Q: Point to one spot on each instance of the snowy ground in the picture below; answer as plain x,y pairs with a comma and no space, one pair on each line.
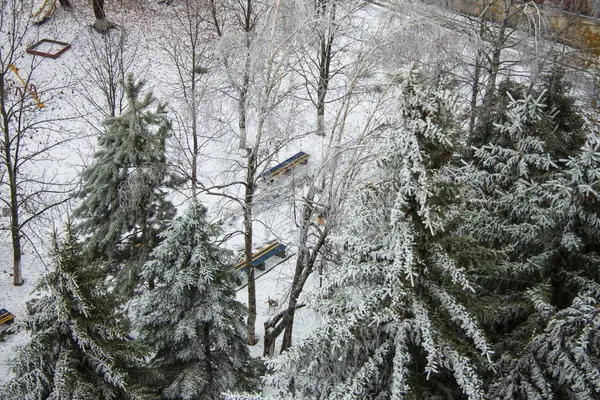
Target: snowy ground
67,75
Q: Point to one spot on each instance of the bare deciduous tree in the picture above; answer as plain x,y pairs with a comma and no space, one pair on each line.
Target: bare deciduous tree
28,186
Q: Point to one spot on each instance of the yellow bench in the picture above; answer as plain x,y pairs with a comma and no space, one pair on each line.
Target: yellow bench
273,248
6,317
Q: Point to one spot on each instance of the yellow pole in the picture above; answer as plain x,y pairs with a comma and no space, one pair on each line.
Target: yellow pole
50,9
33,94
41,9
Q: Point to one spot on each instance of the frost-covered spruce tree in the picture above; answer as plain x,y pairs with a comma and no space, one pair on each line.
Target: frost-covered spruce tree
124,204
393,326
79,346
543,215
191,320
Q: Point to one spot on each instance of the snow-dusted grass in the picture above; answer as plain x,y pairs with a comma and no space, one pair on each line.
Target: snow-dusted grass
61,86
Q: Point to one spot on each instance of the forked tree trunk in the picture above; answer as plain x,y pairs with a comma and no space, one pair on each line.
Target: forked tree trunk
98,6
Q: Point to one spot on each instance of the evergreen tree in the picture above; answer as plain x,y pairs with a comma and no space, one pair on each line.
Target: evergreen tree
124,205
542,215
79,346
393,325
560,127
192,320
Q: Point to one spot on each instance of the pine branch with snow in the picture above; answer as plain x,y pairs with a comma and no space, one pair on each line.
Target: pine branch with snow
384,333
191,319
80,345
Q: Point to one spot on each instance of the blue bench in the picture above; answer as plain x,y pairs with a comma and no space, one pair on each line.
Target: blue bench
285,166
6,317
273,248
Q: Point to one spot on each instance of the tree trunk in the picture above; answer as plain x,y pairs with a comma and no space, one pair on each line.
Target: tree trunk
11,170
305,264
244,95
248,27
101,24
194,114
475,89
248,200
16,241
498,43
324,68
98,6
208,357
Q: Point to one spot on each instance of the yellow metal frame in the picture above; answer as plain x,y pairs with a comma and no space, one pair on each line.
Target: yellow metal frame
41,9
33,93
48,12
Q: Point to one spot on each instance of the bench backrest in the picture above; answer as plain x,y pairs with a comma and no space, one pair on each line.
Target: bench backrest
272,248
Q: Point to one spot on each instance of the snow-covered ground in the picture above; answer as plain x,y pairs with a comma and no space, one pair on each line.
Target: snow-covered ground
62,85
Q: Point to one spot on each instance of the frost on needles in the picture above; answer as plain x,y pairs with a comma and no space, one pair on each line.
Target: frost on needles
191,320
80,346
540,215
393,324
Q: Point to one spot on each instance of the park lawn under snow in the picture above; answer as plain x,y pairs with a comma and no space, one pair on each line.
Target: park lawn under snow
70,106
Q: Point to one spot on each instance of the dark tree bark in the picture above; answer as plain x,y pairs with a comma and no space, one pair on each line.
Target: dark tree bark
101,24
99,9
248,231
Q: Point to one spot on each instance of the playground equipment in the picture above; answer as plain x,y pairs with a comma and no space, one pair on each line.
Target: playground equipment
44,12
34,49
285,166
31,88
273,248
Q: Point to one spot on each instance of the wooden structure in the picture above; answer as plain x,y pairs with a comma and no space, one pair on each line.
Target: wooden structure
285,166
273,248
5,319
33,49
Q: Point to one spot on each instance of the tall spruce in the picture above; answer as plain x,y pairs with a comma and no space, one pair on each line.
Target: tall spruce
542,216
79,346
560,126
124,205
191,320
393,325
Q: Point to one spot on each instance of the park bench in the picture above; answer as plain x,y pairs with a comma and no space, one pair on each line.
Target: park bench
6,318
273,248
285,166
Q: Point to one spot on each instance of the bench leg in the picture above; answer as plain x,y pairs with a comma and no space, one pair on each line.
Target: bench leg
260,266
281,254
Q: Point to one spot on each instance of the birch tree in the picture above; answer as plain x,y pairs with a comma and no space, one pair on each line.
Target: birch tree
264,85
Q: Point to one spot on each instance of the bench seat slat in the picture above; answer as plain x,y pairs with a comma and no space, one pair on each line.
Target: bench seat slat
5,316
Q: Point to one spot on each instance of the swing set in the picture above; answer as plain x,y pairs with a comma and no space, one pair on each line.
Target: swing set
30,88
